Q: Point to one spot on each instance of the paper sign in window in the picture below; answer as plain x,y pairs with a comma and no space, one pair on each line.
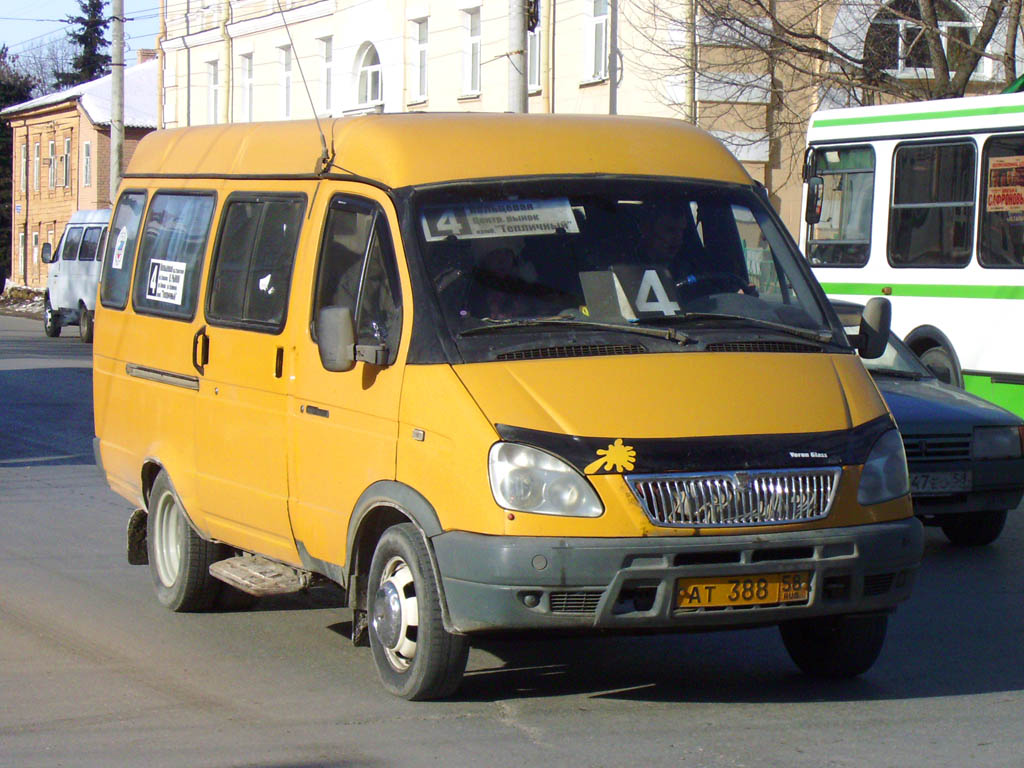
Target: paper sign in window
166,281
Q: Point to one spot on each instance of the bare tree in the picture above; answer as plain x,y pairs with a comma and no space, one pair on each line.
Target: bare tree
46,62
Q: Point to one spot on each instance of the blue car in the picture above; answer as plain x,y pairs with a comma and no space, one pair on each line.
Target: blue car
964,453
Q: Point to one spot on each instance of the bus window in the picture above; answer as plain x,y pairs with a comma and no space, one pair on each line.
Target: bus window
842,237
931,222
1002,217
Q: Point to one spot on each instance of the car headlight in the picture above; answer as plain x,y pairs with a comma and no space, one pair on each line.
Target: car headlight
884,476
529,480
996,443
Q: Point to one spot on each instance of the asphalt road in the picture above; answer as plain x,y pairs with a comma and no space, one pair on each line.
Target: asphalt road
94,673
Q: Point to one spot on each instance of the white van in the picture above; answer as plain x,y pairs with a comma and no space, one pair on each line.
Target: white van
74,273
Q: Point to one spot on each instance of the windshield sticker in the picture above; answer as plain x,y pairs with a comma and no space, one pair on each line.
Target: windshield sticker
119,247
659,302
616,457
166,281
1006,185
502,218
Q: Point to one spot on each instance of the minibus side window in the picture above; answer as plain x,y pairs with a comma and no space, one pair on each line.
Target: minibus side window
71,242
171,255
842,237
931,223
1002,201
357,270
252,267
90,244
119,253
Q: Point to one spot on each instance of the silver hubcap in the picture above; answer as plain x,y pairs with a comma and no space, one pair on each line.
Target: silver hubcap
396,614
168,532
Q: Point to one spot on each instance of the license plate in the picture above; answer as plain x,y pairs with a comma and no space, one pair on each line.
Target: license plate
938,483
762,589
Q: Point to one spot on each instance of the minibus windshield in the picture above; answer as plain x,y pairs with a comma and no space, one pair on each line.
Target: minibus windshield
568,254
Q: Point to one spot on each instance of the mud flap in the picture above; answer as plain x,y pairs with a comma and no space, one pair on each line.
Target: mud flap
138,554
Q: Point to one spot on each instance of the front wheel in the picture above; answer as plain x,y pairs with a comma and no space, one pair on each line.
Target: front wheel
85,325
835,646
415,656
51,320
179,559
974,529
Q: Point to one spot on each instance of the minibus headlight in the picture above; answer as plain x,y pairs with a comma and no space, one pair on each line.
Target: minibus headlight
885,472
996,443
526,479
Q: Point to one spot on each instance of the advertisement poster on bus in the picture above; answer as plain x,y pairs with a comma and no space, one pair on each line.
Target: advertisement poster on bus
1006,186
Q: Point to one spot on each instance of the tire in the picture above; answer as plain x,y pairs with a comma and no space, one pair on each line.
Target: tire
85,325
51,320
179,560
835,646
941,362
974,529
414,655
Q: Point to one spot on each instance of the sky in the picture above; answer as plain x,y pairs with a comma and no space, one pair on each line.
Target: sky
27,25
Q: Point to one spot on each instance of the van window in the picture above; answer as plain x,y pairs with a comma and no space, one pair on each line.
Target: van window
842,237
171,254
1002,200
72,239
90,244
119,254
252,268
358,270
931,223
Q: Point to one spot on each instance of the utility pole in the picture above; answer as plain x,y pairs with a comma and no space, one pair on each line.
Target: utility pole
517,91
116,98
613,58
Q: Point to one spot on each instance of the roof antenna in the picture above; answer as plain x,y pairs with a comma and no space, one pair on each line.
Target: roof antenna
326,158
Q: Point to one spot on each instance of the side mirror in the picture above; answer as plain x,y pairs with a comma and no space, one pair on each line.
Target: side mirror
336,338
815,194
874,328
47,254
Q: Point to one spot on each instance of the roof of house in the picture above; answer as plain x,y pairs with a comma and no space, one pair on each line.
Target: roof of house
140,98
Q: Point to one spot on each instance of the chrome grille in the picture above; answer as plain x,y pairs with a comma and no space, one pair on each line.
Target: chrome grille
937,447
725,499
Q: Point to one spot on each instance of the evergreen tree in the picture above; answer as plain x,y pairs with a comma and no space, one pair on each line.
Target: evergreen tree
15,87
89,38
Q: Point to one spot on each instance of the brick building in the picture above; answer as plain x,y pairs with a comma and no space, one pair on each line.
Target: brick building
61,161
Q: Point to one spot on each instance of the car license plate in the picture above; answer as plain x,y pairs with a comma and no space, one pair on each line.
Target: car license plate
760,589
938,483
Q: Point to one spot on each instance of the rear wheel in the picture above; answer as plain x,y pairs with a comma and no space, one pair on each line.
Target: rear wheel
51,320
835,646
415,656
179,559
85,325
974,529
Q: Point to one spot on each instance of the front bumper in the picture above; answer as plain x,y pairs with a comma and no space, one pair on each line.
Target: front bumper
996,485
494,583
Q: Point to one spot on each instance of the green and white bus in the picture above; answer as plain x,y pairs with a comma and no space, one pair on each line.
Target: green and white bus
924,203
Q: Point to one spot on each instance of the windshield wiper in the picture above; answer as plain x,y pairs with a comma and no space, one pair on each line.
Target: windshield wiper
821,336
669,334
897,374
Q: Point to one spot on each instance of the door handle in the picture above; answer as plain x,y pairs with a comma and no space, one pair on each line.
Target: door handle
200,350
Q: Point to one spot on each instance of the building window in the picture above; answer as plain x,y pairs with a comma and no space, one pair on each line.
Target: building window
598,40
471,55
212,92
66,160
24,169
327,46
52,176
286,80
896,40
246,79
87,164
369,77
21,246
533,40
35,247
420,79
35,166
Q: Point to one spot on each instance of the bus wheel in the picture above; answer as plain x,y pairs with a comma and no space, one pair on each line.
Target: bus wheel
974,529
51,322
414,655
835,646
941,362
179,559
85,326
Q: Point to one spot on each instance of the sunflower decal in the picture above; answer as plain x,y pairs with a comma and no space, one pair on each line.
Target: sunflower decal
616,457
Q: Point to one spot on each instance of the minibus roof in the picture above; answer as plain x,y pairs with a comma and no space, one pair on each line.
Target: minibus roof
397,150
970,114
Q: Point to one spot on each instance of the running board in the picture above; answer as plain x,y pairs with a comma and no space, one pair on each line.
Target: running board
259,576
